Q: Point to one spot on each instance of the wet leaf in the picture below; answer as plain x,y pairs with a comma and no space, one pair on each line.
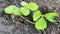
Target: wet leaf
37,14
41,24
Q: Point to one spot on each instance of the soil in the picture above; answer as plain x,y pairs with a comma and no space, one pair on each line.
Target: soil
20,26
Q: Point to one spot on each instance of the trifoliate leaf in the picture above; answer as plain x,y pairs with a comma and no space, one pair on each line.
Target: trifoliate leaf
37,14
24,3
10,9
41,24
33,6
25,11
17,12
50,16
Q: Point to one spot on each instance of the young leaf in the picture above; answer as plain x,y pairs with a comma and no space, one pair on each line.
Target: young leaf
41,24
25,11
24,3
37,14
17,12
50,16
33,6
10,9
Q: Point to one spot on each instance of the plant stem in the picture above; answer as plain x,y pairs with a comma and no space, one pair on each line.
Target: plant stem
43,15
12,16
27,20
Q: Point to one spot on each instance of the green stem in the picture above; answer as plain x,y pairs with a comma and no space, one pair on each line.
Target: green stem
27,20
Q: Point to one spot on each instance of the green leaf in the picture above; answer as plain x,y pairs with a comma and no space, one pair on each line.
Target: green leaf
50,16
17,12
25,11
10,9
24,3
37,14
33,6
41,24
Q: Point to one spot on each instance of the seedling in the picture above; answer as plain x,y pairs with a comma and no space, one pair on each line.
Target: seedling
12,9
38,17
40,21
25,10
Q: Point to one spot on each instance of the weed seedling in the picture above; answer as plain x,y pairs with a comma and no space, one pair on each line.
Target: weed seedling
38,17
14,10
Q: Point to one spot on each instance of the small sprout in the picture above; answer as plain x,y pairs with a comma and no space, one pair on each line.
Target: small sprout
50,16
33,6
37,14
25,11
24,3
41,24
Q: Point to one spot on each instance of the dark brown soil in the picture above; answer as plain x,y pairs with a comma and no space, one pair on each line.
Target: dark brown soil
20,26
